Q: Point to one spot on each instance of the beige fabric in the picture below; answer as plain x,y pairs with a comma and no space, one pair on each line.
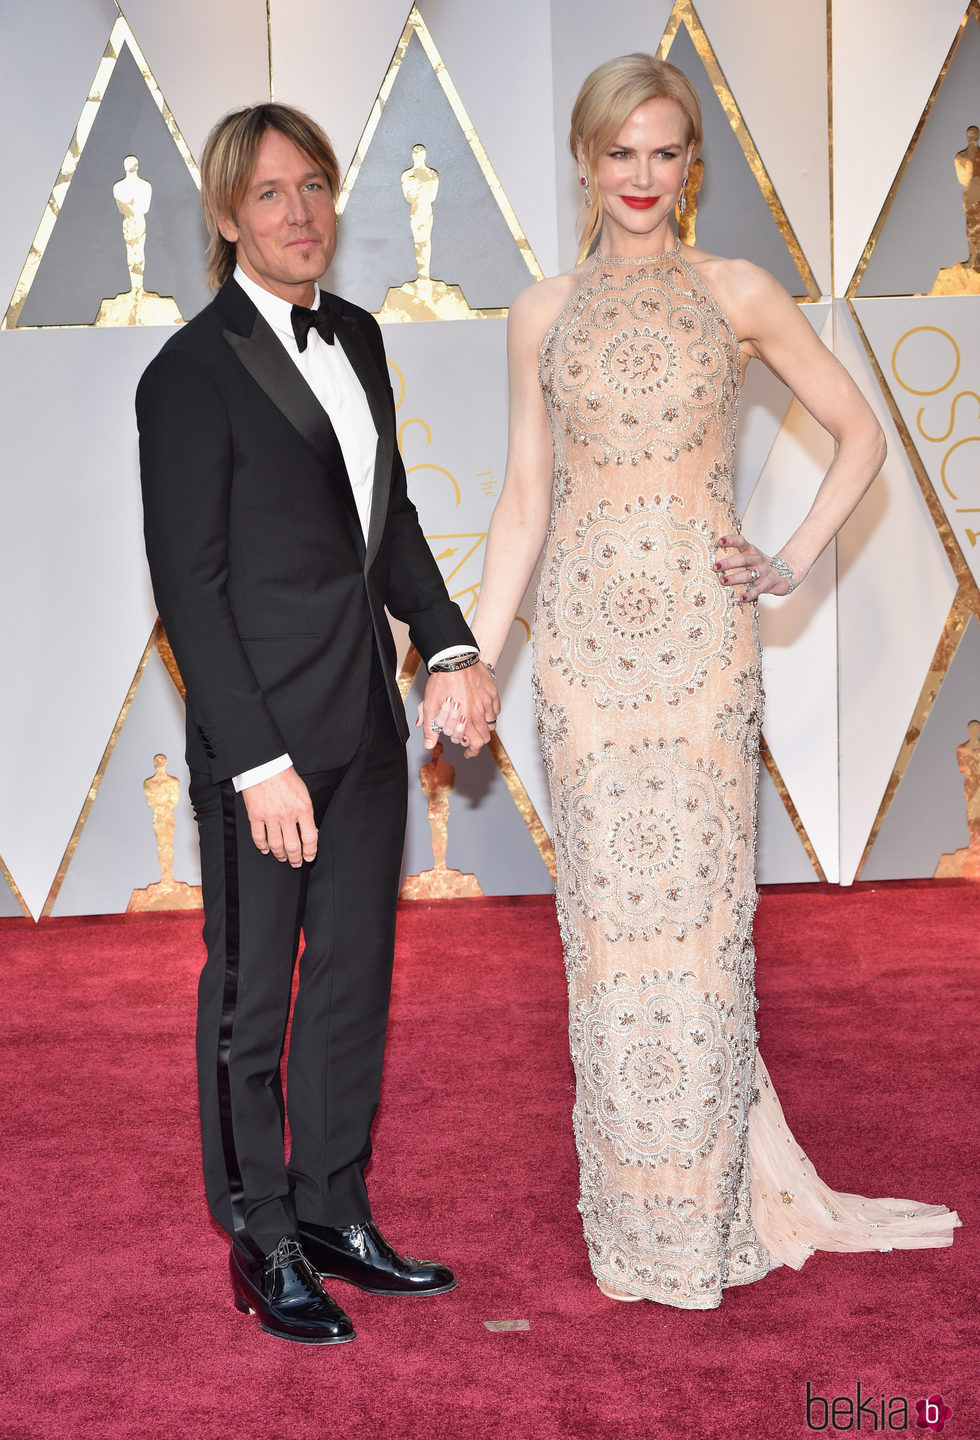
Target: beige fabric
648,696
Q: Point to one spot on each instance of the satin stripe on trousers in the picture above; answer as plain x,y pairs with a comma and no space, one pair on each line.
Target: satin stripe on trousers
345,903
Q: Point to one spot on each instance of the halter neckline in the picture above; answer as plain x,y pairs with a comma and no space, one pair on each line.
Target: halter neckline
639,259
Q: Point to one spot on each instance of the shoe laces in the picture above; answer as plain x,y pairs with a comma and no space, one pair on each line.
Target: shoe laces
287,1252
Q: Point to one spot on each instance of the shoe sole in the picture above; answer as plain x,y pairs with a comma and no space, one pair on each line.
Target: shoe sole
246,1309
373,1290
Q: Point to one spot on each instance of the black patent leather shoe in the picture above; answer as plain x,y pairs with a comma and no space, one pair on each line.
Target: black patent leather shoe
285,1292
362,1256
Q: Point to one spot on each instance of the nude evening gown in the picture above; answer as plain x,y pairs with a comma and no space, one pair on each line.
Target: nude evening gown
648,695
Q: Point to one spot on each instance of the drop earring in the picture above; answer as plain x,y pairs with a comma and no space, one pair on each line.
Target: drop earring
583,180
682,202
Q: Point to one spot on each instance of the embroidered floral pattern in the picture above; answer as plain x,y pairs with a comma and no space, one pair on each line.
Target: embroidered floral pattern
632,606
659,1077
651,836
666,357
739,719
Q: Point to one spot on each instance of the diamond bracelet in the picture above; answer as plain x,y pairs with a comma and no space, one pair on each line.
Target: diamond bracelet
784,568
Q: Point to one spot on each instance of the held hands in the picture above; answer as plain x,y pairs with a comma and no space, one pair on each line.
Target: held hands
281,816
750,567
462,706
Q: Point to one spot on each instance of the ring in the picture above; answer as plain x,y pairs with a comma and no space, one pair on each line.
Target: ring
755,575
435,726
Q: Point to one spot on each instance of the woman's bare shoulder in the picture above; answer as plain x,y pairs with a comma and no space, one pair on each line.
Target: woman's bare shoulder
536,309
740,287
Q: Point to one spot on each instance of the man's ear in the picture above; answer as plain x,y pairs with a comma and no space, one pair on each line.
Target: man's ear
228,230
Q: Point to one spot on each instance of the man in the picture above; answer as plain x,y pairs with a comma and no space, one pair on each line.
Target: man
278,528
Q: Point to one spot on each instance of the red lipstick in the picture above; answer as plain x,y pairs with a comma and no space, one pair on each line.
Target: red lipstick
640,202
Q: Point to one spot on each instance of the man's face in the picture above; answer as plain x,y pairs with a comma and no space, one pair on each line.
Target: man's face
285,232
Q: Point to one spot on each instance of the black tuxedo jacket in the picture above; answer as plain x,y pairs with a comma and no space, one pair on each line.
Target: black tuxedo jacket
271,600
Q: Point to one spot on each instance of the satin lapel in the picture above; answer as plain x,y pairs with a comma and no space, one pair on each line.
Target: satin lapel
378,394
271,368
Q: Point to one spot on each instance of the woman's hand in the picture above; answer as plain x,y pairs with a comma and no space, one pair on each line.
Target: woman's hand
750,568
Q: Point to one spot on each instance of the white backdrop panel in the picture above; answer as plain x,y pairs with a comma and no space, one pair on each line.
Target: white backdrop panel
799,634
895,590
762,410
207,59
774,56
929,353
74,590
329,57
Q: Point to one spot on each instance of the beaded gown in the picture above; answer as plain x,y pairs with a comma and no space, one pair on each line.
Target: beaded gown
648,696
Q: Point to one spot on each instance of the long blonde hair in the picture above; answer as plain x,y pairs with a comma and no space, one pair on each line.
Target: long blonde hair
228,164
609,95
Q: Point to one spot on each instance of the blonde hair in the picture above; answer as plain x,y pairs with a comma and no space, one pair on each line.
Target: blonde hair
228,164
611,94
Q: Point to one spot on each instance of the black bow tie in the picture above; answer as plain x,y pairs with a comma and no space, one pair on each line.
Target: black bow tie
304,321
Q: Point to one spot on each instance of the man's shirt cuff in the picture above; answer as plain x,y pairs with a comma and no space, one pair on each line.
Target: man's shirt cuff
258,773
451,652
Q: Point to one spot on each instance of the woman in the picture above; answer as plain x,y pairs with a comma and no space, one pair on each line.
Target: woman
625,377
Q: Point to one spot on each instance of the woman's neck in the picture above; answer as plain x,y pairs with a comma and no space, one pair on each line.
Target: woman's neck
617,244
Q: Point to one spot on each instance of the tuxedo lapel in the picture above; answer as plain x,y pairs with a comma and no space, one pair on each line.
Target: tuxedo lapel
260,351
377,390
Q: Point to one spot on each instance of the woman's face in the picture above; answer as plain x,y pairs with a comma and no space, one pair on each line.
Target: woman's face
641,174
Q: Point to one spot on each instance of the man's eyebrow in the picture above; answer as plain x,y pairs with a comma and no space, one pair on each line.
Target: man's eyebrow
315,173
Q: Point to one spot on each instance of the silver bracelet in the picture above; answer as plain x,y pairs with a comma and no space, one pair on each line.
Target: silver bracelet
784,568
493,673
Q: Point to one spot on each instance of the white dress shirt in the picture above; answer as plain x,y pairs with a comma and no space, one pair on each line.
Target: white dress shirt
330,375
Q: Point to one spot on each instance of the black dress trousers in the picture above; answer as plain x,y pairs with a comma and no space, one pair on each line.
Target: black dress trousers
344,903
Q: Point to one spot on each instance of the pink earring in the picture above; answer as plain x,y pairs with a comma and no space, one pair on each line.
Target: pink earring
583,180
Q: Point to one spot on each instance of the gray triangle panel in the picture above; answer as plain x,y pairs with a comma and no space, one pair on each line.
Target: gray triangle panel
116,852
9,905
84,261
925,231
472,245
733,218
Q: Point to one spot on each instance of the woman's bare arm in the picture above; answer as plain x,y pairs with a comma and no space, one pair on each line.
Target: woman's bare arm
771,328
520,519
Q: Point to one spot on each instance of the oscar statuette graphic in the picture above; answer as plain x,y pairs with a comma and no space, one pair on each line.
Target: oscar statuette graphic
964,278
136,306
422,298
966,863
162,791
437,778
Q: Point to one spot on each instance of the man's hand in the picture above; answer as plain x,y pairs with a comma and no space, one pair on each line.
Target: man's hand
462,705
281,815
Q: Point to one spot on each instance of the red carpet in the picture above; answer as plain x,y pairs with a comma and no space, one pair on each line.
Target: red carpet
118,1322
